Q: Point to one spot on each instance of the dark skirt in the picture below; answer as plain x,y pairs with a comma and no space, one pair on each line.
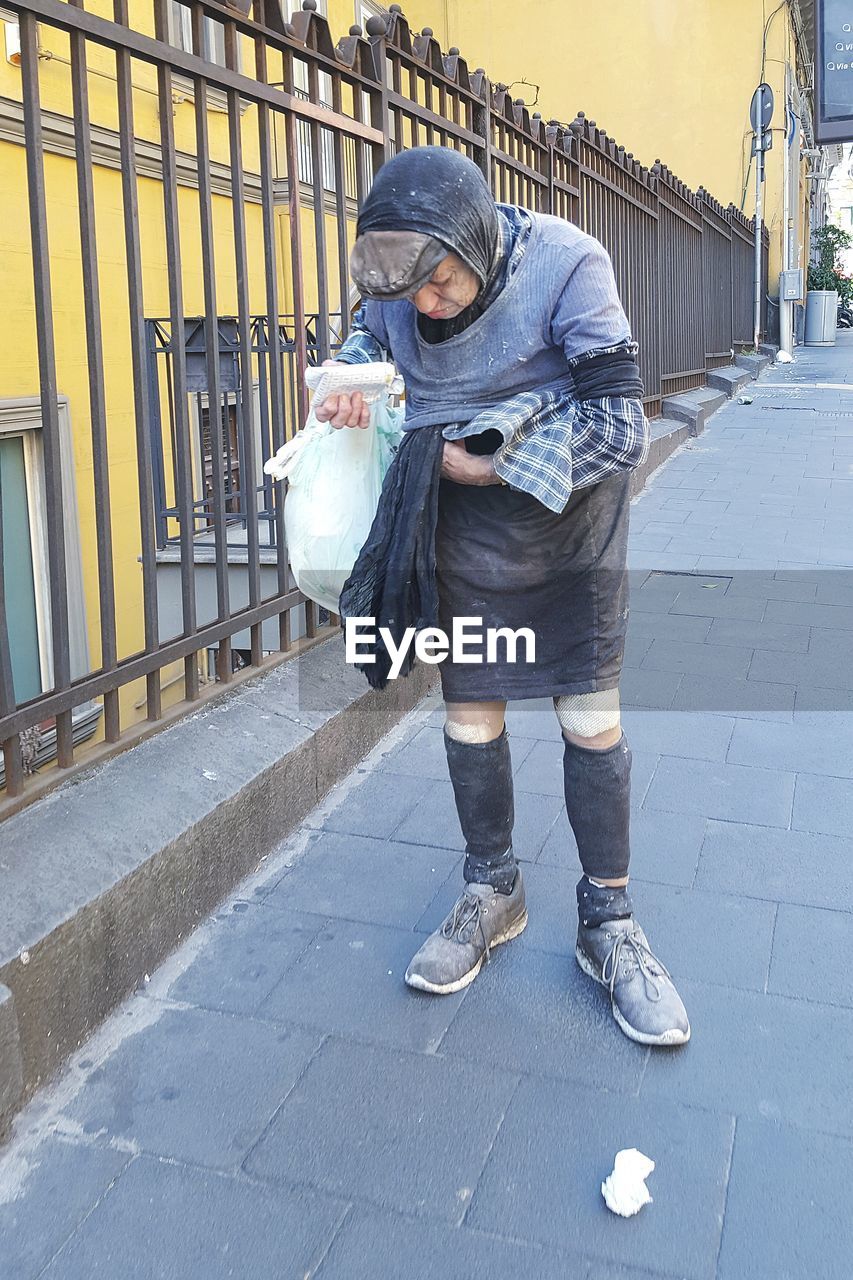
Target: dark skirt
502,557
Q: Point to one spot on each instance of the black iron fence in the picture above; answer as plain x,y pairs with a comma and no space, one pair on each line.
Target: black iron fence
263,139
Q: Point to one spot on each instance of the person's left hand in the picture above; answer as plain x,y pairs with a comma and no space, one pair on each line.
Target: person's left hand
466,468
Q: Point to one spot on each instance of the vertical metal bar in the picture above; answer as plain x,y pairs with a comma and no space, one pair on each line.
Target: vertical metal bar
211,346
319,198
95,352
300,342
130,207
276,371
183,458
47,380
12,761
248,464
341,212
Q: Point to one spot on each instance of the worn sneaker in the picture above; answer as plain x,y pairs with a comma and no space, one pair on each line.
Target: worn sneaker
643,997
453,955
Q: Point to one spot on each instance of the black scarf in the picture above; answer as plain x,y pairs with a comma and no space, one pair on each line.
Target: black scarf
440,193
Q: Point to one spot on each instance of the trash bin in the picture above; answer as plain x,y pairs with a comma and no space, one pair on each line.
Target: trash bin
821,317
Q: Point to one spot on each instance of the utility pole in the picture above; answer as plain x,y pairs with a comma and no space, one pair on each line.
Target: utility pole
760,115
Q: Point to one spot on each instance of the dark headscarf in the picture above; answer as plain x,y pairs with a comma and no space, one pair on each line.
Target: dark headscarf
437,192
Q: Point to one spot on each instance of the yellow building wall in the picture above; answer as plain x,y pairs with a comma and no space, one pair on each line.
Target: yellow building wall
668,79
19,376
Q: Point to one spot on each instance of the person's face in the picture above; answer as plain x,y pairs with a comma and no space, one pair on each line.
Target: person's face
451,288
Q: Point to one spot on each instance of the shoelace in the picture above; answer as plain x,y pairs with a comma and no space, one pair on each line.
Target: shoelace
644,959
465,919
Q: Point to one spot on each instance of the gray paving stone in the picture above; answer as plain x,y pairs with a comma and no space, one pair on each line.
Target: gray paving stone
682,733
646,688
795,1185
765,587
751,699
434,820
643,541
350,982
356,878
811,703
759,635
669,626
557,1144
783,866
535,1012
541,770
707,937
813,668
165,1220
377,805
838,617
805,747
409,1132
636,648
698,503
240,958
761,1055
732,792
724,660
664,846
44,1195
196,1085
533,718
713,604
422,755
823,805
811,949
665,561
398,1246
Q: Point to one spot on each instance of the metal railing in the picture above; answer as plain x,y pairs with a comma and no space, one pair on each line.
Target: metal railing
255,212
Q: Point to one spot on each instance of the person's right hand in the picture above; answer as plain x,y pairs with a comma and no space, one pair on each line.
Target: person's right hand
343,410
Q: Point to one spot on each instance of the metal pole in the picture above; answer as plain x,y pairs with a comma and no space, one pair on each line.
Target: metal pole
786,336
759,178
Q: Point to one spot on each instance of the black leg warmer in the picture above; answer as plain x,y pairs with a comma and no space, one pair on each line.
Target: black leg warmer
481,773
597,905
598,802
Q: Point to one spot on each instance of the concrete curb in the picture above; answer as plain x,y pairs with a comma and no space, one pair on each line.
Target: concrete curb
105,876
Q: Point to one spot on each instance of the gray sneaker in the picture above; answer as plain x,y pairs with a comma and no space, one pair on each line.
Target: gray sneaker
643,997
453,955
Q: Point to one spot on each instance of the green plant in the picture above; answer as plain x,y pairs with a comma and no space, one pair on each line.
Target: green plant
830,242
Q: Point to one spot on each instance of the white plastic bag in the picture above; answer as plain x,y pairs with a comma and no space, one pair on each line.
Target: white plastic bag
334,481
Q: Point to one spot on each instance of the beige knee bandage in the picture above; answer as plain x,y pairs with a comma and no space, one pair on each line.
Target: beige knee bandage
469,732
587,714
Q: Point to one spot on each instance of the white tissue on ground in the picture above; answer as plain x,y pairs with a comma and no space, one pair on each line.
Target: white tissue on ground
784,357
624,1190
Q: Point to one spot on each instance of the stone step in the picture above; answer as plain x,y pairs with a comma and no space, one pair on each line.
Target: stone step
729,379
694,407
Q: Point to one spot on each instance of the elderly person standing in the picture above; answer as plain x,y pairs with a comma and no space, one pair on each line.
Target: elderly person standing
508,501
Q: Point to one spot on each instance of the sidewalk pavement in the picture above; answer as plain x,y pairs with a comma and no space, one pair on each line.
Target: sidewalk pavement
275,1103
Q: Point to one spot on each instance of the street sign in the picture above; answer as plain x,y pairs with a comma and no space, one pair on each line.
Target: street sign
761,109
